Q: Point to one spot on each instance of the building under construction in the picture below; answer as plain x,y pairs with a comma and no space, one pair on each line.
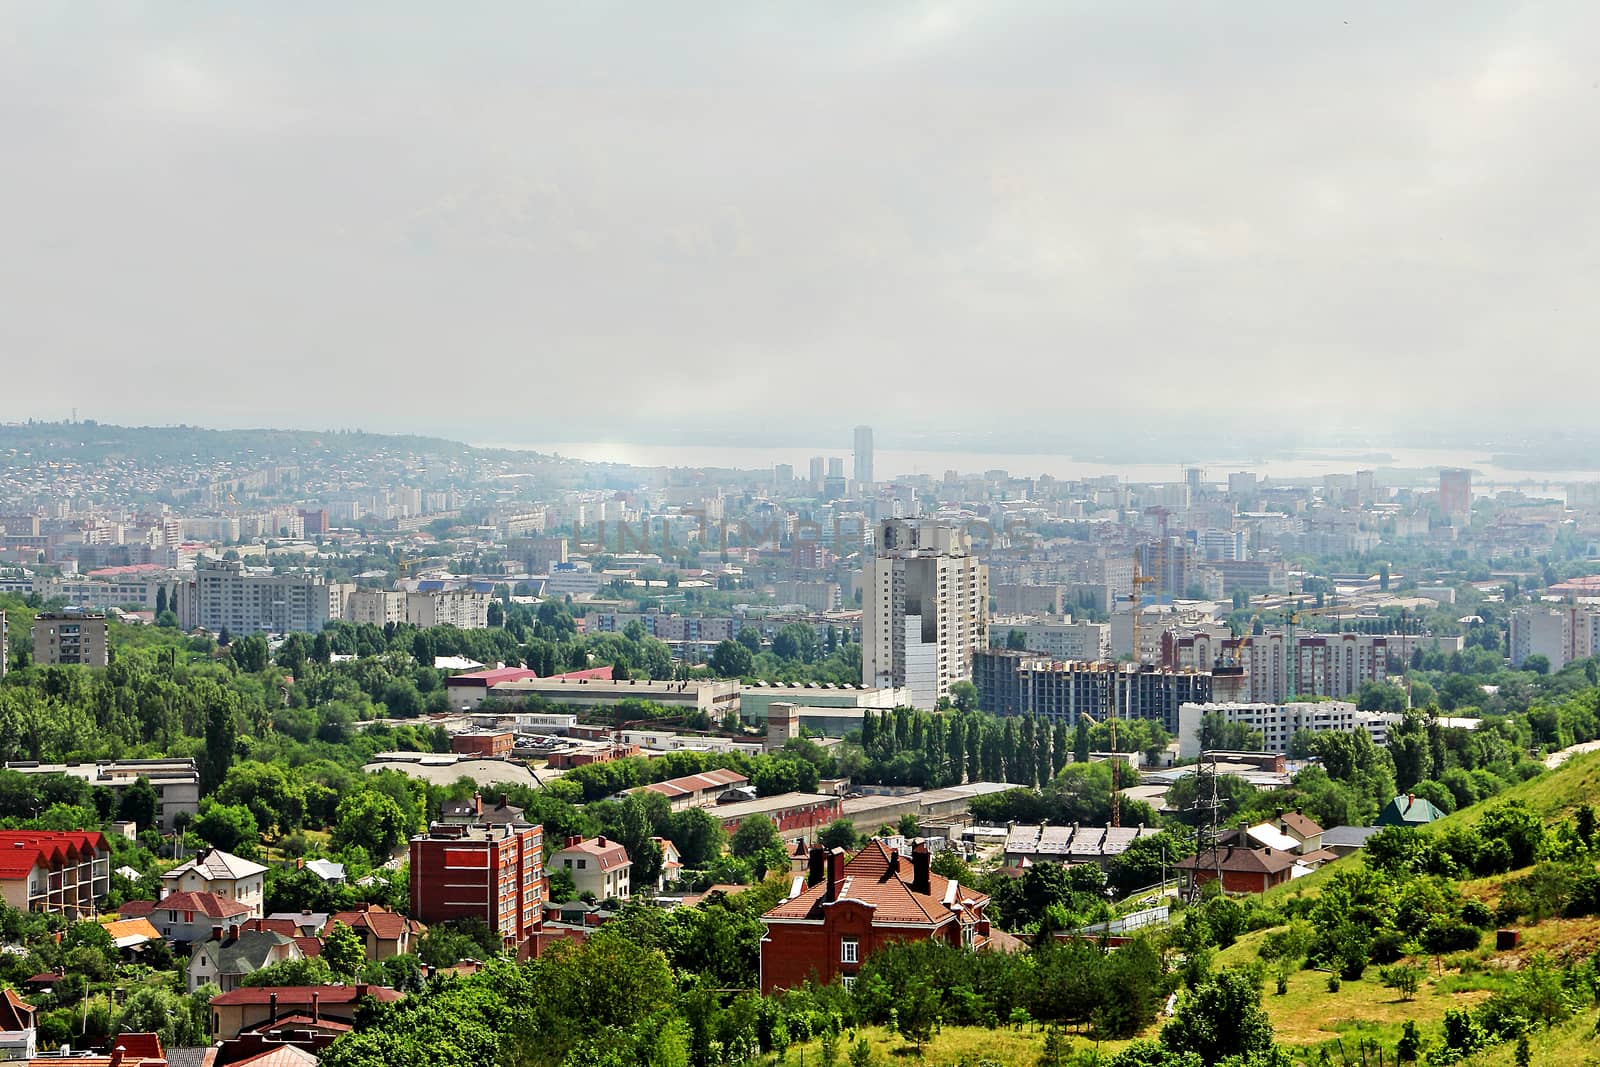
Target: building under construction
1023,683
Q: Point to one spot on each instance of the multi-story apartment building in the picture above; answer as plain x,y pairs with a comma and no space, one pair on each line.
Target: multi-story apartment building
1279,723
61,872
1561,633
863,455
69,638
1331,665
925,601
224,595
1021,683
380,607
1057,639
1455,494
462,608
493,873
5,634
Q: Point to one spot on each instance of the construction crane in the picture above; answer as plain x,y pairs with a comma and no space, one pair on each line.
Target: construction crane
1291,654
1137,597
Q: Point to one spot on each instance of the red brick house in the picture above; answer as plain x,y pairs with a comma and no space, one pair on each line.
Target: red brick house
1244,870
844,908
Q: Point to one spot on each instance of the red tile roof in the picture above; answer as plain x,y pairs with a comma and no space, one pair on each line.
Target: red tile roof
1240,861
385,924
136,909
208,904
874,879
23,850
608,854
293,995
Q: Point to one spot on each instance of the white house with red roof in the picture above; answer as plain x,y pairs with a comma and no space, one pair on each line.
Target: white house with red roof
192,917
598,866
221,874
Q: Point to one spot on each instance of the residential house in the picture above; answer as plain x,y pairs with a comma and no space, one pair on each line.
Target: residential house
473,813
222,874
671,863
192,917
1347,840
598,867
845,908
1243,870
250,1006
386,933
224,962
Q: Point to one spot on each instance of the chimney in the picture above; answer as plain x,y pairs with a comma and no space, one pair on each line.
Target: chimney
835,874
921,863
477,803
816,865
233,931
573,839
316,998
361,990
272,1006
894,861
601,840
216,933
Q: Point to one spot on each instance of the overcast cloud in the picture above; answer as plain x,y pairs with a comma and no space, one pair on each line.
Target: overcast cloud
411,215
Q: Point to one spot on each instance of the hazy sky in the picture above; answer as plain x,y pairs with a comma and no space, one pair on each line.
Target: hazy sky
617,218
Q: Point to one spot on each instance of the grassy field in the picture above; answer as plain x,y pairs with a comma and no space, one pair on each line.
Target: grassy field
953,1046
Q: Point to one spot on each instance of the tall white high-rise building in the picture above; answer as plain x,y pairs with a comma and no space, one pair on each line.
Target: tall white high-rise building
863,466
925,601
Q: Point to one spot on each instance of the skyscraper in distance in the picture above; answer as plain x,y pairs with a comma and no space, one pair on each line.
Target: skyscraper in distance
1455,493
863,471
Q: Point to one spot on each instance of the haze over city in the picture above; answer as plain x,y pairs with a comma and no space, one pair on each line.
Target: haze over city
1322,223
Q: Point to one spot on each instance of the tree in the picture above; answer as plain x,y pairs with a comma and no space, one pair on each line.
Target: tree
917,1012
1057,1049
308,970
343,949
1402,979
796,641
1538,663
750,639
222,734
730,659
227,826
964,695
1080,742
372,821
757,840
840,833
1221,1018
138,803
1016,640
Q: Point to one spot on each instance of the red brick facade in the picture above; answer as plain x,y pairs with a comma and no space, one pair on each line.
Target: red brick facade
493,873
851,909
488,745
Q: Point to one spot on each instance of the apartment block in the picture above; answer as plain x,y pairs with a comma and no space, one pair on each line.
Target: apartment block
67,639
224,595
464,609
493,873
380,607
925,604
1279,723
175,780
1022,683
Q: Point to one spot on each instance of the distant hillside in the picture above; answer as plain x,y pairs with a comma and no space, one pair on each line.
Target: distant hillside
93,442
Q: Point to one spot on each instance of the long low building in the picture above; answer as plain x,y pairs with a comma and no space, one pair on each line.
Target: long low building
1279,723
798,816
874,810
1071,844
695,790
176,781
445,768
715,698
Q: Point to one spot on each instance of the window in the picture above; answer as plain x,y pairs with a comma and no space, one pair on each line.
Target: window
582,864
849,950
848,980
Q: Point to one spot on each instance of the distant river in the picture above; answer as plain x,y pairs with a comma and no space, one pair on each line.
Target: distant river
890,463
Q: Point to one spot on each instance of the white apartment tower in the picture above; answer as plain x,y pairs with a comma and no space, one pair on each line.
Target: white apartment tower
925,604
